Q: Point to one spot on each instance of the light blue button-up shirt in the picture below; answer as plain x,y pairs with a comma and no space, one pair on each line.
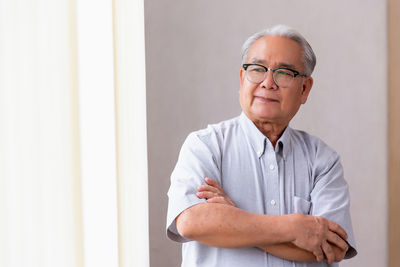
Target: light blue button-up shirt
301,174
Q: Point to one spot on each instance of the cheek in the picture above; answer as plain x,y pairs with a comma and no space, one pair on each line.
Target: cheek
245,98
243,94
247,90
291,102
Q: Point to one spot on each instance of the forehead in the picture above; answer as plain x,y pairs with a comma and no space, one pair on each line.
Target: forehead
276,50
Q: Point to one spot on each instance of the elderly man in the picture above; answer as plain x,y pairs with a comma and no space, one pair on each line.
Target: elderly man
251,191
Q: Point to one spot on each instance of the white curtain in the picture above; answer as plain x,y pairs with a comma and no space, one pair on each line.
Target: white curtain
131,133
49,185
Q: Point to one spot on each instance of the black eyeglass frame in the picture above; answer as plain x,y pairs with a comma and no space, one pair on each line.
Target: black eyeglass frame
295,72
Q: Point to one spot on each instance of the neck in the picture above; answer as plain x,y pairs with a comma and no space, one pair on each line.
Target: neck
271,130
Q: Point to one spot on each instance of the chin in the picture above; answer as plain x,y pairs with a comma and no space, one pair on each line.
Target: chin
264,114
263,117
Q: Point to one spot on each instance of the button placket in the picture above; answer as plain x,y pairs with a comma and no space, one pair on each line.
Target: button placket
272,181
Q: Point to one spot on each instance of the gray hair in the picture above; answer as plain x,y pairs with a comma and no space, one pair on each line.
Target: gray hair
309,59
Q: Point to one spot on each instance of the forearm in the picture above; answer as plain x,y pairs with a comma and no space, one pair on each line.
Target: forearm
289,251
229,227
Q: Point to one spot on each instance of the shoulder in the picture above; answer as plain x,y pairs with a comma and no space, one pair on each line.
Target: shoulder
324,162
312,145
204,148
321,157
214,135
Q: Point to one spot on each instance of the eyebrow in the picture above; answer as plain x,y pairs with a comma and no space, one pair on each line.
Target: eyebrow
286,65
280,64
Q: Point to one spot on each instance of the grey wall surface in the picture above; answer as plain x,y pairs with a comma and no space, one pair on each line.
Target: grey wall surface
193,60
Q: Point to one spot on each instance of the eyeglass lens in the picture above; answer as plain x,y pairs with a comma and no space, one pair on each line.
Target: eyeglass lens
282,77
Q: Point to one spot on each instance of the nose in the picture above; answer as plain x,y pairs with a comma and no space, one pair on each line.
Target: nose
269,82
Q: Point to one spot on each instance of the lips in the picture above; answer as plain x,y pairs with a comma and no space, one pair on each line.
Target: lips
266,99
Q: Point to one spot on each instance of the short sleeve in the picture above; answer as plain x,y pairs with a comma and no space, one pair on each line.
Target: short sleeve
195,162
330,196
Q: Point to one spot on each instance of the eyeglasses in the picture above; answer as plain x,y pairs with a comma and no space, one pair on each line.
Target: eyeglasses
283,77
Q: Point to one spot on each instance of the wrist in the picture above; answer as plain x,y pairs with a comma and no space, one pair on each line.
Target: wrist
289,223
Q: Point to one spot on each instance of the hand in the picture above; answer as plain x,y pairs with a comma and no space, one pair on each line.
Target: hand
213,193
339,253
317,235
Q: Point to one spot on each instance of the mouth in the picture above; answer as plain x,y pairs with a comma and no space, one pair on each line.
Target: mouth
266,99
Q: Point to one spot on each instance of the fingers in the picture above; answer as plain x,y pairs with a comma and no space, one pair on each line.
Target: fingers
319,255
212,198
212,182
206,194
213,193
337,240
334,227
339,253
220,200
328,251
209,188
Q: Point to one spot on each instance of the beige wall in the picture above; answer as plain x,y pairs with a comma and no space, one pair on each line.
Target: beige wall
394,132
193,59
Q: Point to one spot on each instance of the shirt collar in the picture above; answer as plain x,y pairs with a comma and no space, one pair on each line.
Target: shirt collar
284,143
258,140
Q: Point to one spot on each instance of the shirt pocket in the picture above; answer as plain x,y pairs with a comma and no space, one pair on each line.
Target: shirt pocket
300,205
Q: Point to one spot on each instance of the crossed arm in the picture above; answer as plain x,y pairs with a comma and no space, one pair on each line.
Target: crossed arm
294,237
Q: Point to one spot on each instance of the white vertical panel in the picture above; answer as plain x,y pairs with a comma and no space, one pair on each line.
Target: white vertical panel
38,174
97,132
131,129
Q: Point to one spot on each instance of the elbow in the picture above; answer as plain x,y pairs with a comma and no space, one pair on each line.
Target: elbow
185,225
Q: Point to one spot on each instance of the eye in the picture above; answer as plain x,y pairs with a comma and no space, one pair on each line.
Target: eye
256,69
284,72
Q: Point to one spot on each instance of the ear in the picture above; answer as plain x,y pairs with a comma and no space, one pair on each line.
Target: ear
307,85
241,76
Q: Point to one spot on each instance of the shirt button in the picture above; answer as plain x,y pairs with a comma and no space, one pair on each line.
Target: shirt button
273,202
271,167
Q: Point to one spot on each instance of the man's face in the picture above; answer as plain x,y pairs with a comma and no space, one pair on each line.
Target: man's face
266,102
